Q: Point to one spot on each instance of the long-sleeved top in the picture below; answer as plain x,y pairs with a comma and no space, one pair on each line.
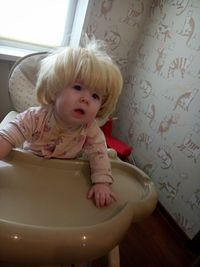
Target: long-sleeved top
38,131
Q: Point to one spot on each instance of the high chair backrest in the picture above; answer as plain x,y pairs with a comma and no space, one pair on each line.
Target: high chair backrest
22,81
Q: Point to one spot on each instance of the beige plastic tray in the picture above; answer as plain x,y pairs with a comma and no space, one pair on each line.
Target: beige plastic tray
45,216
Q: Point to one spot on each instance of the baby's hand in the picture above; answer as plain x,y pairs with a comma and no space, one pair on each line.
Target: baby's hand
102,194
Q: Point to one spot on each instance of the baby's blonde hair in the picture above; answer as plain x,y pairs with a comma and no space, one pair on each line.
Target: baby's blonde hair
89,65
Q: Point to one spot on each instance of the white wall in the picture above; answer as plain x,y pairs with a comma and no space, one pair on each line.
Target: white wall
157,46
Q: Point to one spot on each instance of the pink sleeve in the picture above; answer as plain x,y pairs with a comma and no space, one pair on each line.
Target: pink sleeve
20,129
96,151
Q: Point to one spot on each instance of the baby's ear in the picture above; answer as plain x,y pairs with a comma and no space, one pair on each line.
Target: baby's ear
55,95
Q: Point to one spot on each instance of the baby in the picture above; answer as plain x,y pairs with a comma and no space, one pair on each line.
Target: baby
75,86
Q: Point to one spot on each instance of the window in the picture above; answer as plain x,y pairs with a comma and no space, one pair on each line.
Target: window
36,25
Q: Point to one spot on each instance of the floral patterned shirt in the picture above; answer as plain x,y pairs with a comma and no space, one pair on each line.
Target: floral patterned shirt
37,130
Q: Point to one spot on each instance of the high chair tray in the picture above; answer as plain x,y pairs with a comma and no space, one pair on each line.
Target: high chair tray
43,207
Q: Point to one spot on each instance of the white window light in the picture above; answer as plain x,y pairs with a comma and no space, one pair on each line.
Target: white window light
35,25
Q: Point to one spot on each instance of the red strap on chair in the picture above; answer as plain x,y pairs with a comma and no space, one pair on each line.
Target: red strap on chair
122,149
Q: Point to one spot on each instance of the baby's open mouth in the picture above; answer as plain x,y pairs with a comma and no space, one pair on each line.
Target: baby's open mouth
80,111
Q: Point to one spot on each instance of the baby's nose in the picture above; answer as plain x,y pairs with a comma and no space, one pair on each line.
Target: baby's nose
85,96
85,99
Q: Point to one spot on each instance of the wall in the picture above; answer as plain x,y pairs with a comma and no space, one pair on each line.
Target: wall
157,46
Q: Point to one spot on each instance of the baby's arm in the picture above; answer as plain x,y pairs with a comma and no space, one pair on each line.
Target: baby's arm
15,132
5,147
101,174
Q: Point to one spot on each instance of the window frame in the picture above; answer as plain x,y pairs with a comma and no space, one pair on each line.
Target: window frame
12,50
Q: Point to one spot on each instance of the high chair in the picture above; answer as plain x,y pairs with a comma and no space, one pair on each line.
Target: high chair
45,217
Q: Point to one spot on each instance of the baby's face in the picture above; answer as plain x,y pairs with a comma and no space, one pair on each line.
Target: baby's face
76,105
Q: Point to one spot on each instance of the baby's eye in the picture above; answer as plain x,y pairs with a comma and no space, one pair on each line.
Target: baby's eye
77,87
96,96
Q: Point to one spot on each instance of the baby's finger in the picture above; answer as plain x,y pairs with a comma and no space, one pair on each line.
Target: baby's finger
97,200
103,200
108,201
90,193
113,197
